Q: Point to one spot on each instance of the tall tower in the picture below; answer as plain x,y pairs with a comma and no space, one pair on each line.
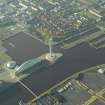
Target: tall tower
50,46
52,57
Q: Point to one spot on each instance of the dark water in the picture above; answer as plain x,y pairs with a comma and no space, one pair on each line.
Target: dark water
24,47
74,60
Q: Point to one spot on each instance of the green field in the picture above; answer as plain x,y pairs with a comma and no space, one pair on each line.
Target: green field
4,57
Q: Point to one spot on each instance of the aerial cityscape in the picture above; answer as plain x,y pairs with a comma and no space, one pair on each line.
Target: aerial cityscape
52,52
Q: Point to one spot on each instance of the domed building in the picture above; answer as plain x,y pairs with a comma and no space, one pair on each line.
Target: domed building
11,64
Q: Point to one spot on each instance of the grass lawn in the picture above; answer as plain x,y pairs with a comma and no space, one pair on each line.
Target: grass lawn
4,57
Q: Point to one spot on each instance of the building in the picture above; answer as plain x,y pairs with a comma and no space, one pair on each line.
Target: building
27,66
